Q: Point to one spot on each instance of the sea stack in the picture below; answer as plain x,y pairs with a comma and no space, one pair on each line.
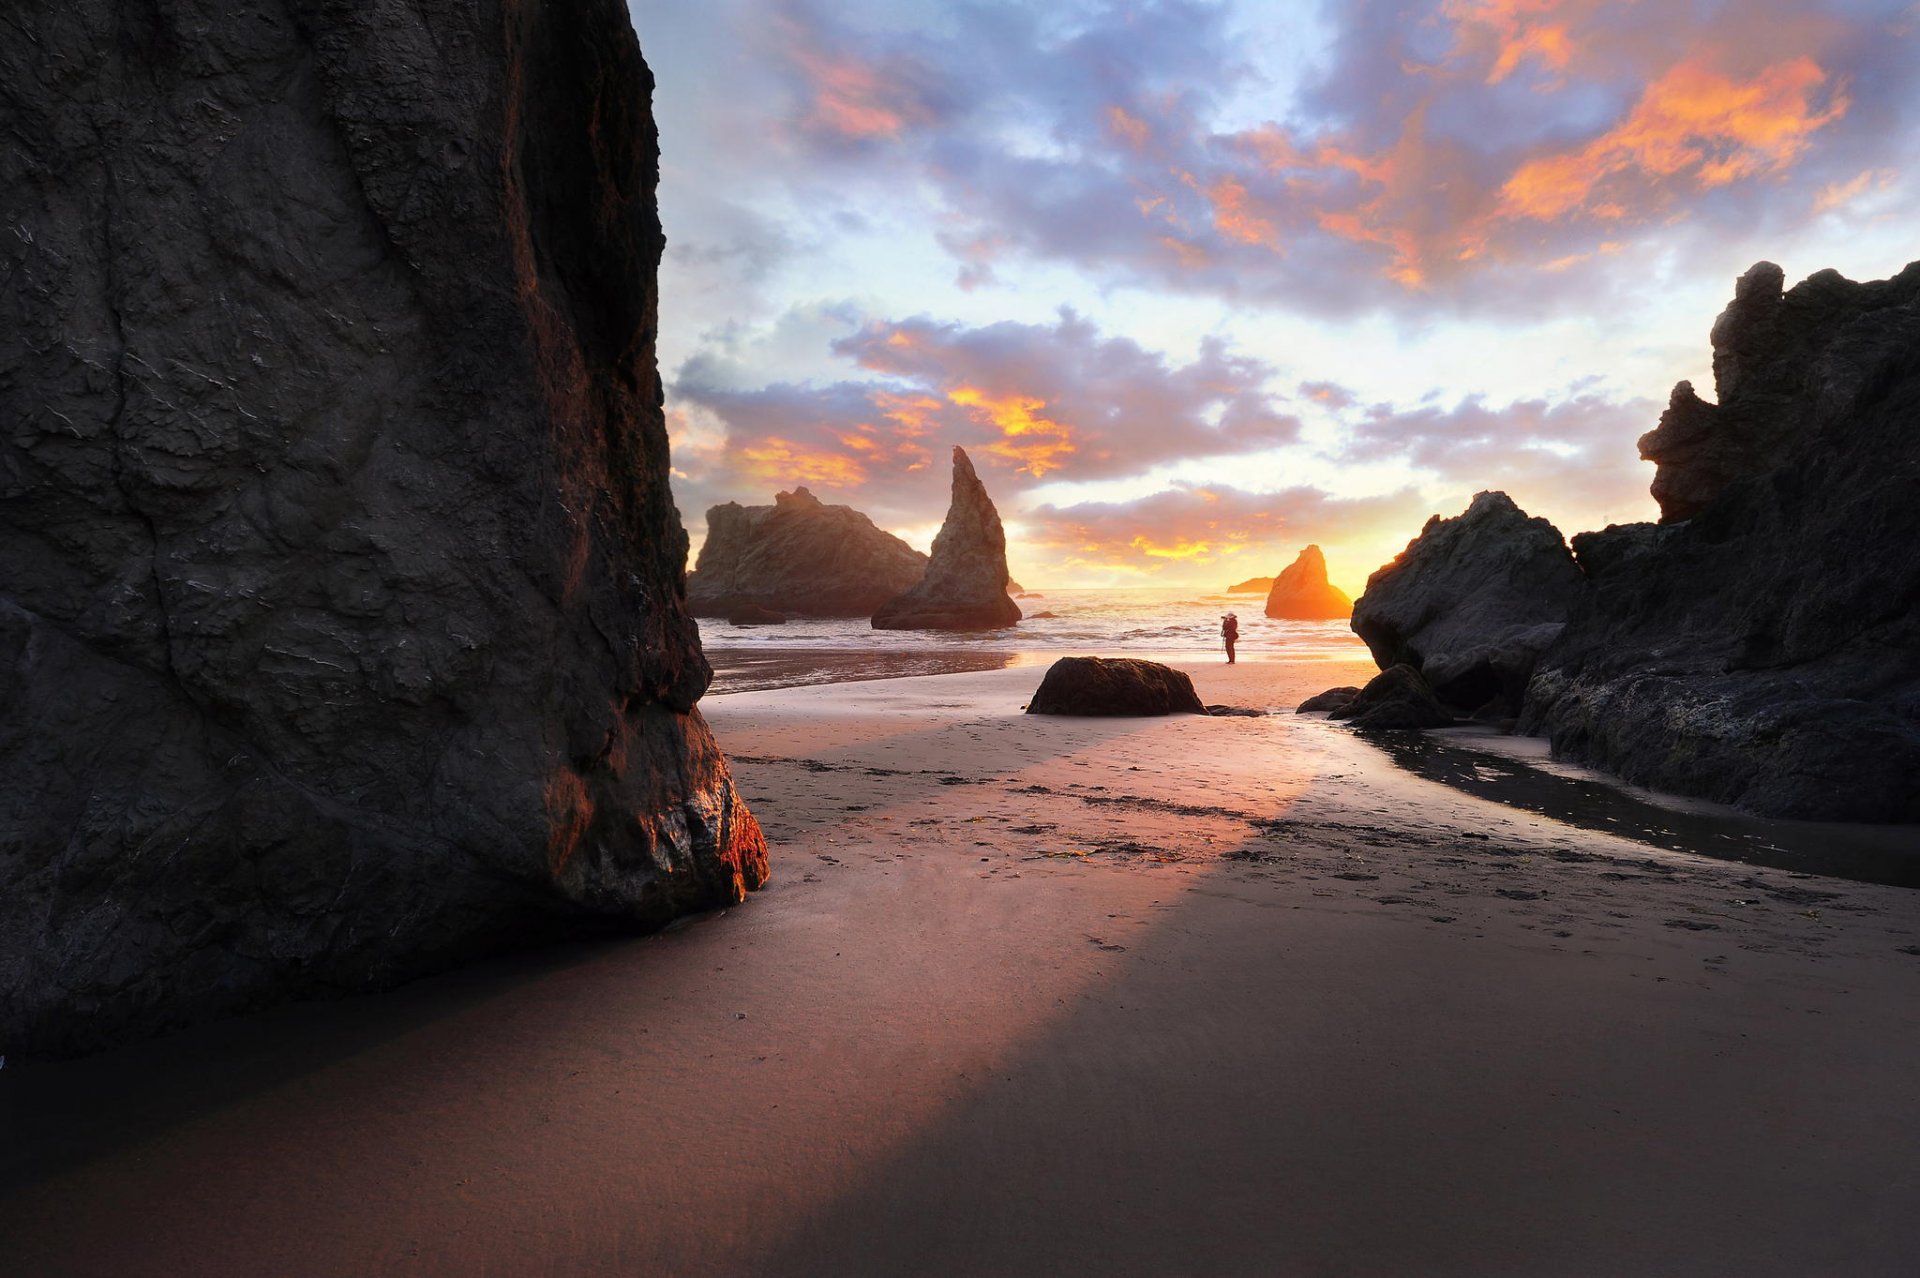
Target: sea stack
1303,593
965,584
798,557
341,632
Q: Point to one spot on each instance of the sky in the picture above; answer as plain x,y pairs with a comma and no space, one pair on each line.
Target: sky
1199,282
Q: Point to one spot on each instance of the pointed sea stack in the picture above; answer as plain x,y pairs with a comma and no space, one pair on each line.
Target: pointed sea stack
341,633
800,558
1303,593
965,585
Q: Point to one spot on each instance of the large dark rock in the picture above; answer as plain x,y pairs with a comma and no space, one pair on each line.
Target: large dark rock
1114,686
340,619
1762,645
799,558
1471,603
1397,697
965,585
1331,700
1302,592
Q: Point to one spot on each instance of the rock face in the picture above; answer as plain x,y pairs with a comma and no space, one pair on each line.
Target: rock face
1114,686
1471,603
1303,593
340,620
1761,646
1251,586
965,584
1397,697
798,558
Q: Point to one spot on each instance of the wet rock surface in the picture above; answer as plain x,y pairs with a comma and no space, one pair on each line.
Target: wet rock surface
1471,603
1093,686
798,557
965,584
340,621
1302,592
1330,700
1759,646
1397,697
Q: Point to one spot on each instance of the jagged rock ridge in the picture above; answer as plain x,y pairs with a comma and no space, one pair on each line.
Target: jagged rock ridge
340,618
965,584
798,557
1759,646
1302,592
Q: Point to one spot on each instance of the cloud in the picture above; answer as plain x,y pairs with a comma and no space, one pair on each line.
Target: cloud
1030,401
1190,525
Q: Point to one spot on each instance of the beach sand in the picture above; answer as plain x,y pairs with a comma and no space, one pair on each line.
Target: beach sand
1233,995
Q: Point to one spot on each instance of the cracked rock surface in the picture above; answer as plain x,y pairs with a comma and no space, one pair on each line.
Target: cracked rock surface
341,631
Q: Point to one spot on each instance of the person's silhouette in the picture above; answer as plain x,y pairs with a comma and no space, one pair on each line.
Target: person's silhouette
1230,633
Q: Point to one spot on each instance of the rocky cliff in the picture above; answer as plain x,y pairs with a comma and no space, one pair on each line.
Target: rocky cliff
965,584
798,557
1302,592
1471,602
1251,586
1761,645
340,619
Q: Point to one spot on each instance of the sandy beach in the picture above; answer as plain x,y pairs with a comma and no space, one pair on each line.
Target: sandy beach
1226,995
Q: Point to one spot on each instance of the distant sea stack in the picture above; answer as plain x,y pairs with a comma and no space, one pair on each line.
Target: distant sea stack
1251,586
800,558
1303,593
965,584
340,581
1759,645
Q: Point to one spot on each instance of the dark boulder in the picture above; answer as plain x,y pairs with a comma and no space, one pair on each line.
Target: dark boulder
1759,647
798,557
1114,686
1397,697
1471,603
340,620
1332,700
965,584
1303,593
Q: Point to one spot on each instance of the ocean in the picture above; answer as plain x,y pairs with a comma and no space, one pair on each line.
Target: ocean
1159,623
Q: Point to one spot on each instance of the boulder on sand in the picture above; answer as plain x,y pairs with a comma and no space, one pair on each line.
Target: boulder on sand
1114,686
798,557
965,584
1303,593
1331,700
340,623
1471,602
1397,697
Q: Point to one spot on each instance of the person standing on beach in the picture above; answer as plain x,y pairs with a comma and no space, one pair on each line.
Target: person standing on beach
1230,633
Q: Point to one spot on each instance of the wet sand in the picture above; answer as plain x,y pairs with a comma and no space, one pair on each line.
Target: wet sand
1040,996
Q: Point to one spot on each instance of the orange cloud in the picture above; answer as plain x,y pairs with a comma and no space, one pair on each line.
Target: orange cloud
784,462
1840,194
1236,216
1691,121
1131,129
1035,441
855,100
1512,31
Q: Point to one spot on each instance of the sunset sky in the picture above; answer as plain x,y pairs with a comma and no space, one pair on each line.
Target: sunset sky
1198,283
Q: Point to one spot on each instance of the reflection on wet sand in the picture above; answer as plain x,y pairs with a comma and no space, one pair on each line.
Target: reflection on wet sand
1491,767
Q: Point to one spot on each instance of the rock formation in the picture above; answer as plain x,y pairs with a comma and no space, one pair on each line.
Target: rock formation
799,558
340,620
1397,697
1759,645
1471,602
965,584
1330,700
1303,593
1114,686
1251,586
